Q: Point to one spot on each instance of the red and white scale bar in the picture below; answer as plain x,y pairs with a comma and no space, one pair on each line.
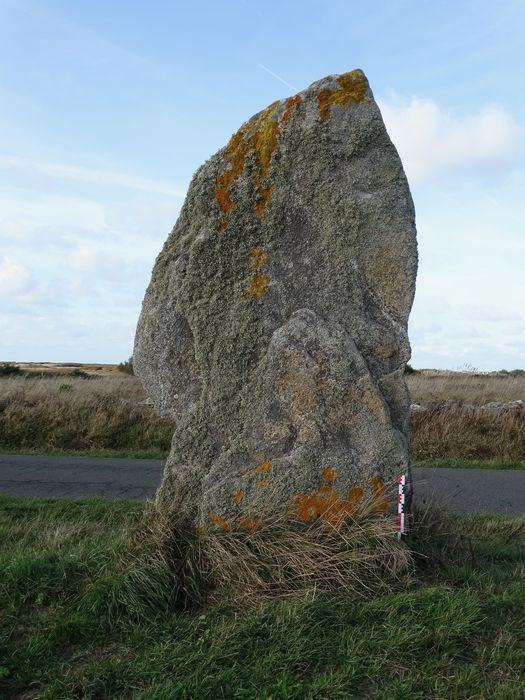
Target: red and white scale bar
401,493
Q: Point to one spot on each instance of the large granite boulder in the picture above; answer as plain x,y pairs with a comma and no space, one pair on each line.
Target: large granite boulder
274,329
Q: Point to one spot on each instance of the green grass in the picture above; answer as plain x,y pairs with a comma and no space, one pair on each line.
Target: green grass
95,452
471,463
76,624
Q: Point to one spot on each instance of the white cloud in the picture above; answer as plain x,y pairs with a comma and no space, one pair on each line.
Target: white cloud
86,265
80,173
469,298
14,277
30,216
431,142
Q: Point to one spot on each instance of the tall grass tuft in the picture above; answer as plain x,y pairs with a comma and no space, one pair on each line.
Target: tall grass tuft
280,558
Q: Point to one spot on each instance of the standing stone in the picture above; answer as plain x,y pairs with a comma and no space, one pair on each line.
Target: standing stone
274,329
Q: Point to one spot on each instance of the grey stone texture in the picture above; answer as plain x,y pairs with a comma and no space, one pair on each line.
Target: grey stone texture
274,329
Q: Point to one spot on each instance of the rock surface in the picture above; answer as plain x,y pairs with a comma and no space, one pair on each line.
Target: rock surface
274,329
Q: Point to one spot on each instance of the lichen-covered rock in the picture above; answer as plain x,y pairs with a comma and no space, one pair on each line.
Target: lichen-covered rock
274,329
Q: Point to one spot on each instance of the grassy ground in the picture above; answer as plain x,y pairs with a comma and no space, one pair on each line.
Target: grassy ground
123,453
471,463
75,624
104,415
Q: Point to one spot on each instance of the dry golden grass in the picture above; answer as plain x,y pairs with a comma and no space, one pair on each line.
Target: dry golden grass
468,433
105,413
73,413
462,429
65,368
279,558
431,387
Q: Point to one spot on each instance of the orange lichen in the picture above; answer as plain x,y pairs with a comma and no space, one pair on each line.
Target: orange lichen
247,522
265,195
264,139
236,152
258,286
291,104
264,467
326,505
353,87
258,258
238,496
329,474
259,136
259,282
220,521
379,500
261,483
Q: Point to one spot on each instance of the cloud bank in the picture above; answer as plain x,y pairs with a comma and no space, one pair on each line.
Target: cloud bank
432,142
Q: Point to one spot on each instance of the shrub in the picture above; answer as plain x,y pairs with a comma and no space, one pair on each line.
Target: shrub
79,373
126,367
410,370
9,368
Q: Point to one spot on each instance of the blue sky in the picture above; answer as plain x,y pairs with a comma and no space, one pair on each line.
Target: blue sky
107,109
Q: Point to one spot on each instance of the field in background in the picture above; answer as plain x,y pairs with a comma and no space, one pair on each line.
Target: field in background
96,409
430,387
65,368
101,414
77,621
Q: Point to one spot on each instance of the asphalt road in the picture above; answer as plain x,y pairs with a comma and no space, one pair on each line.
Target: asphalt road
460,490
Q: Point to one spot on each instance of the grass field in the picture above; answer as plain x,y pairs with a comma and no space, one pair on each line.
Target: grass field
76,623
54,411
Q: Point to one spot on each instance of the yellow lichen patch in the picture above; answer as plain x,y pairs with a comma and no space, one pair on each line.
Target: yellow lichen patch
261,483
220,521
238,496
326,505
265,194
258,258
236,152
329,474
379,499
353,87
260,136
247,522
258,286
264,467
264,140
291,104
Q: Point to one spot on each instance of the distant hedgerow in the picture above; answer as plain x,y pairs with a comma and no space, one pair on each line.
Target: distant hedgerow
9,368
127,366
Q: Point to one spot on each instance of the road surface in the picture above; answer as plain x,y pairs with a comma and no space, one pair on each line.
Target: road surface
460,490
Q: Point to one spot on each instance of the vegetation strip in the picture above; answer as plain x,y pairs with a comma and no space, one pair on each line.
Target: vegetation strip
470,464
76,623
109,416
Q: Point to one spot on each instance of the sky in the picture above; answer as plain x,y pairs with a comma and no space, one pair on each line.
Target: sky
107,110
